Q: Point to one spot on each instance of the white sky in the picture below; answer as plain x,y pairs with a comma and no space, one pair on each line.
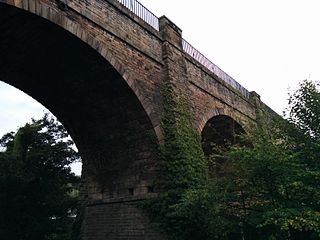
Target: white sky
266,45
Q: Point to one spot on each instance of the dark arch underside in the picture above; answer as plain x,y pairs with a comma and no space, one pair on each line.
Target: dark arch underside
220,131
100,111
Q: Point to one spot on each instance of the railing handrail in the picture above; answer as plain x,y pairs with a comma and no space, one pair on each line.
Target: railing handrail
203,60
142,12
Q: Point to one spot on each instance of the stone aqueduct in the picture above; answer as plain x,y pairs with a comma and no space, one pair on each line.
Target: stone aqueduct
99,65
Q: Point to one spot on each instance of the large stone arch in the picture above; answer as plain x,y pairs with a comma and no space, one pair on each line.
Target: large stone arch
53,11
99,103
31,69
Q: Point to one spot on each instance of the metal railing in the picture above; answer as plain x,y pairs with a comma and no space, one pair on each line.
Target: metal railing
199,57
142,12
138,9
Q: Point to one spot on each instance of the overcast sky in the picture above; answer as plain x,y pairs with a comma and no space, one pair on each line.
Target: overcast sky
267,46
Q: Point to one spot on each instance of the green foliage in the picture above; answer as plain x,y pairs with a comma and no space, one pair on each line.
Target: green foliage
183,168
270,189
304,108
277,187
184,165
37,197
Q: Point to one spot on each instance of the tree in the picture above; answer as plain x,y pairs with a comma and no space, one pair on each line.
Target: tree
38,197
272,189
270,186
274,186
304,108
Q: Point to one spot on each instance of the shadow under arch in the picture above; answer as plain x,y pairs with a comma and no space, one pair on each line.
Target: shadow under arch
219,132
52,12
88,95
99,105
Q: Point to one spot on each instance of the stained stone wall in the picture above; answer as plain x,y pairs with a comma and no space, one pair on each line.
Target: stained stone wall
99,68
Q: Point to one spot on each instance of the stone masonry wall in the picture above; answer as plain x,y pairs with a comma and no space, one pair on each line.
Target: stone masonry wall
106,89
211,96
118,220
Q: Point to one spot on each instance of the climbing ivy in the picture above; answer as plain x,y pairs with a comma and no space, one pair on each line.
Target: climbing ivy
183,167
183,161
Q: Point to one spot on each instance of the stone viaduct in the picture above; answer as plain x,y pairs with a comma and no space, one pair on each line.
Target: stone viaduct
99,65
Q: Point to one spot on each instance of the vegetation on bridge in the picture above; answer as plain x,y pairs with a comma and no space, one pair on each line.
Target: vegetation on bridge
183,167
270,189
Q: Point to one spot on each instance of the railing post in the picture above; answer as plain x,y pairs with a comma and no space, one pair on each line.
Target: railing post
174,70
170,32
255,99
256,102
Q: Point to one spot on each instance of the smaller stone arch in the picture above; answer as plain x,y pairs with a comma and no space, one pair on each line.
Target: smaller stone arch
219,111
219,132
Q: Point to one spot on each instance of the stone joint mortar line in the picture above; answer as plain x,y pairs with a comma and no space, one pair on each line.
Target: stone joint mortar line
114,35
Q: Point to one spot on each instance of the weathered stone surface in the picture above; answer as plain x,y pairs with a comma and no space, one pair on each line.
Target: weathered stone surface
99,69
119,220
